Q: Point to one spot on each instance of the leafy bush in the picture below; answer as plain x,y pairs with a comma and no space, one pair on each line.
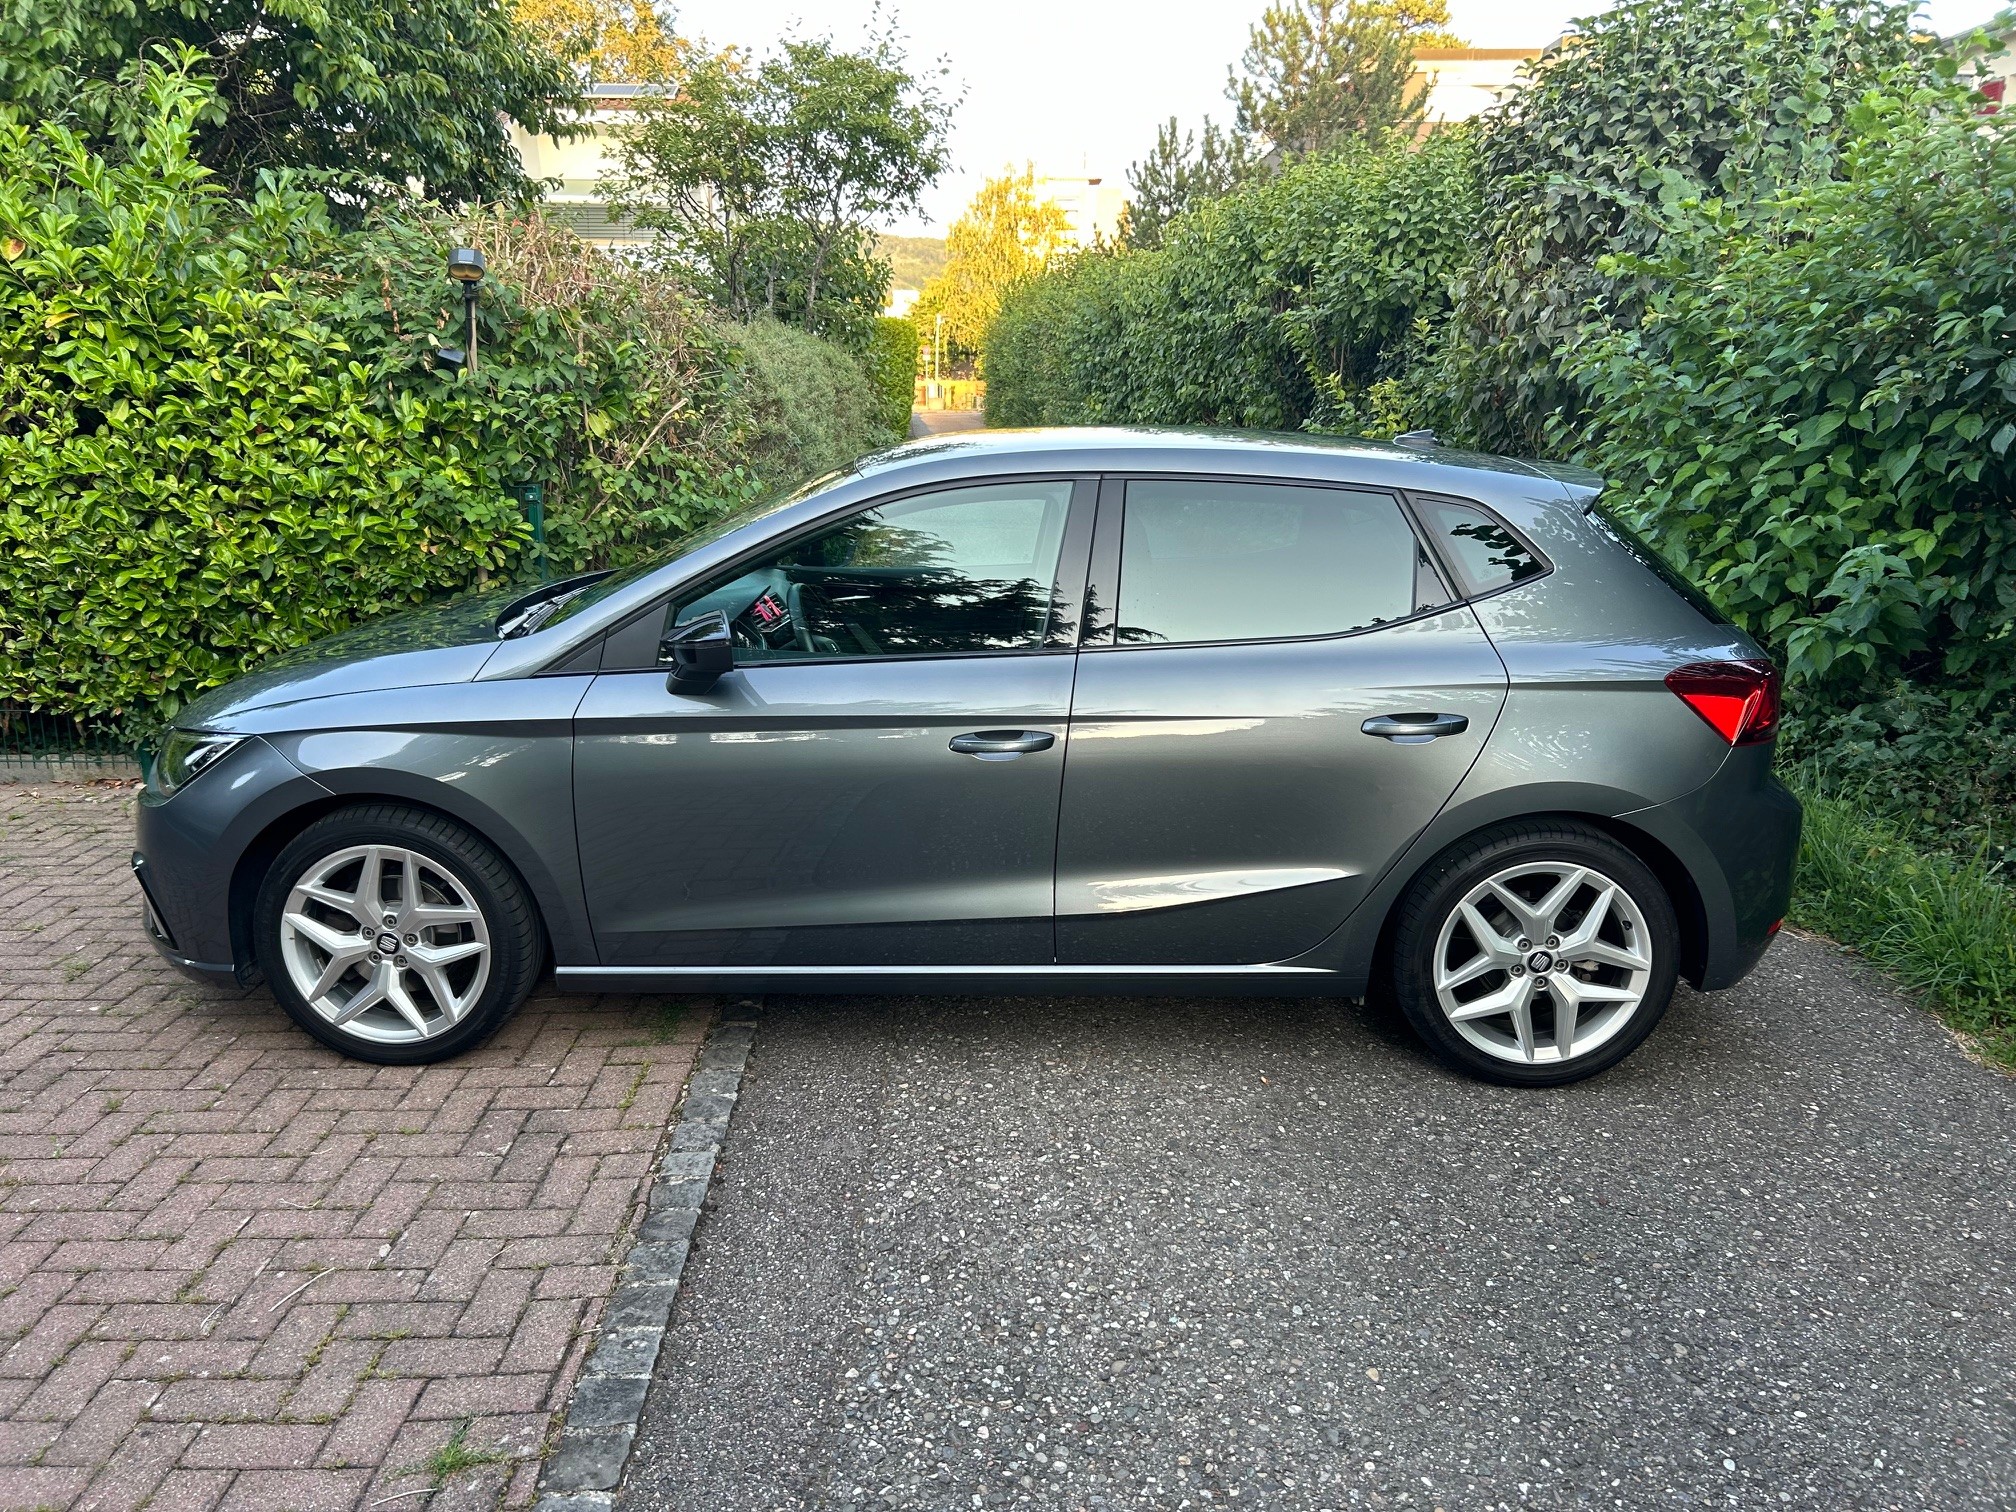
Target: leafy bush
1940,762
223,433
197,473
1818,414
612,388
892,365
813,406
1654,101
1276,307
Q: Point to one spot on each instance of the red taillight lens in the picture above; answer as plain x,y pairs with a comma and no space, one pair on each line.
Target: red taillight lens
1739,699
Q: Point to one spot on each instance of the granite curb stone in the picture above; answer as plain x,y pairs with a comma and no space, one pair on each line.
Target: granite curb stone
608,1399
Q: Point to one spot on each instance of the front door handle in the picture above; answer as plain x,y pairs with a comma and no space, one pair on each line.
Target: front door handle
1002,745
1414,729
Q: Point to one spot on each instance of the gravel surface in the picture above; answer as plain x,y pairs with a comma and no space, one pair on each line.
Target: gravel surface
1157,1253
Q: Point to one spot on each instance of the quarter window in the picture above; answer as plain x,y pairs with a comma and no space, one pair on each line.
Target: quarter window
959,570
1209,561
1483,553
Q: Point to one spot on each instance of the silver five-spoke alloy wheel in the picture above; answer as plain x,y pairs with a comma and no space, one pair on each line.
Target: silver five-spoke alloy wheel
385,943
1543,962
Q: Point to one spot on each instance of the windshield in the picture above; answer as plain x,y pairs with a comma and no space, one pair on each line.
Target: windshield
734,520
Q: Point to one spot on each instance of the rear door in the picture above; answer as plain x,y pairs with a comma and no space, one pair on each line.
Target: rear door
877,781
1278,695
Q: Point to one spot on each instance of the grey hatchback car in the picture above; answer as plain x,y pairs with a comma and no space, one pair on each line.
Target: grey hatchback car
1037,711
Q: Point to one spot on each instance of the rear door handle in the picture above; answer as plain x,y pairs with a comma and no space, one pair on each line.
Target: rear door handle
1002,745
1414,729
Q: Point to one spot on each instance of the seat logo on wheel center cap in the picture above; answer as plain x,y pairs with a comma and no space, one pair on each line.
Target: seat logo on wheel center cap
388,943
1540,960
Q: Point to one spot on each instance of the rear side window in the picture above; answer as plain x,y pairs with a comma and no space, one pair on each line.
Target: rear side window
1209,561
1607,521
1482,552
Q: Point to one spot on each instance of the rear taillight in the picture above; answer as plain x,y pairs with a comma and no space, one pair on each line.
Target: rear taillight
1738,699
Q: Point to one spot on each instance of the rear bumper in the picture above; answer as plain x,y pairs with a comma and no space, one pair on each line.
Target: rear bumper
1738,838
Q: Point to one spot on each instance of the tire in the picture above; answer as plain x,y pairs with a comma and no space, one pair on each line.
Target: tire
457,959
1462,992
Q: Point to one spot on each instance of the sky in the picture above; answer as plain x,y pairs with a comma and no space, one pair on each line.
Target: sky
1081,85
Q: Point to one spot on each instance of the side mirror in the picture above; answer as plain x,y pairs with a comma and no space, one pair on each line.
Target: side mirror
700,651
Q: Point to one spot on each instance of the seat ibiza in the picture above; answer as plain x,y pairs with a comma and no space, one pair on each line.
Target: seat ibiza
1041,711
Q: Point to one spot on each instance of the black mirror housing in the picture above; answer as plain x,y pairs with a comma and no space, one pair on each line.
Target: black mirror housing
700,651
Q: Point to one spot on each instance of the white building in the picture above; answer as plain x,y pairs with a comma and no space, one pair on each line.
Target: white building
1092,206
1990,63
1467,81
579,163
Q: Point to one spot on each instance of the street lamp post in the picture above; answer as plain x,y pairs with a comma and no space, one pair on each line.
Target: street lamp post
465,266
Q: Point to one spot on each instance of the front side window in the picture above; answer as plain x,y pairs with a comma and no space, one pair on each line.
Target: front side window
959,570
1209,561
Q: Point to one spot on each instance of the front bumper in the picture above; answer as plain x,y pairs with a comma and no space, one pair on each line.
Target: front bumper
186,854
217,972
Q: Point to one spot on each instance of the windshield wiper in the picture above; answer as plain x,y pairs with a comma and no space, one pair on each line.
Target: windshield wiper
524,615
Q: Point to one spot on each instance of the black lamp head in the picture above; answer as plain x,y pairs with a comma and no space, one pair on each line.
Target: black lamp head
465,265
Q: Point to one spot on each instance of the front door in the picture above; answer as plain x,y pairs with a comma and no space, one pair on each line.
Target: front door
877,782
1224,802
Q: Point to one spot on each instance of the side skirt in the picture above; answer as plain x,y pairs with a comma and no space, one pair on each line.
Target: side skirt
1007,981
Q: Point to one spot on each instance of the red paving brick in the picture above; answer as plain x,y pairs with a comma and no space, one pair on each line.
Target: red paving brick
237,1270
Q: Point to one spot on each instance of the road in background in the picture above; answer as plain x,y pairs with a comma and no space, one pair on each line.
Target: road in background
943,422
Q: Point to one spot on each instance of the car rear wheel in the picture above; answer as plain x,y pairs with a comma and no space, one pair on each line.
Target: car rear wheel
1535,954
394,935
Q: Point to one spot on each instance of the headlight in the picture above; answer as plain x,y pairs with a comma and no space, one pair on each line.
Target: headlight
185,754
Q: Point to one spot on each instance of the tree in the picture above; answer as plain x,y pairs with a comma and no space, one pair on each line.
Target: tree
1005,235
765,177
379,95
615,41
1425,22
1319,73
1183,172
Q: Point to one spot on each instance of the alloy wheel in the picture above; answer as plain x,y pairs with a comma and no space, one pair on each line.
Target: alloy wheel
1543,962
385,943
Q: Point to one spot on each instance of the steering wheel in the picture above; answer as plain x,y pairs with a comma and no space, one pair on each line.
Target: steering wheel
794,600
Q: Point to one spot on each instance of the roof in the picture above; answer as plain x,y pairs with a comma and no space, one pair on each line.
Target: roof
1998,27
1236,451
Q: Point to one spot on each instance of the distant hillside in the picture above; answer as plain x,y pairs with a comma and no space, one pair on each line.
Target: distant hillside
913,260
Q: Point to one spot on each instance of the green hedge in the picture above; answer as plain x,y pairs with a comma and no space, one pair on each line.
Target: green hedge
813,403
1286,305
892,365
223,432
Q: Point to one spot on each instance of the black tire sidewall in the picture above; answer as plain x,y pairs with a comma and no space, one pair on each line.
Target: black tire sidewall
1437,891
516,944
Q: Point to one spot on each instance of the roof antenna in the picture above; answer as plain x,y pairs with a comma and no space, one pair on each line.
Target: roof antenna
1417,438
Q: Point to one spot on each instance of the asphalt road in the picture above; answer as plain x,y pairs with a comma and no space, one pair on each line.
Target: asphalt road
1166,1254
944,422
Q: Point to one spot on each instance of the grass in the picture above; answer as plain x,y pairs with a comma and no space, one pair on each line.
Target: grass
1941,922
455,1456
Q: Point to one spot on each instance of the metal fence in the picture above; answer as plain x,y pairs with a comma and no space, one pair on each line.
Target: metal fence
62,742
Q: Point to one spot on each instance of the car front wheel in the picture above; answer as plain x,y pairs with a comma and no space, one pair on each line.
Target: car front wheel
1535,954
394,935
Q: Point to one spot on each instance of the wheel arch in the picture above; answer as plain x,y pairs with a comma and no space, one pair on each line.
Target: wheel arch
259,854
1673,874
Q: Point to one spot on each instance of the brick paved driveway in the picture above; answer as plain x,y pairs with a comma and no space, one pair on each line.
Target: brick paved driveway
238,1270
